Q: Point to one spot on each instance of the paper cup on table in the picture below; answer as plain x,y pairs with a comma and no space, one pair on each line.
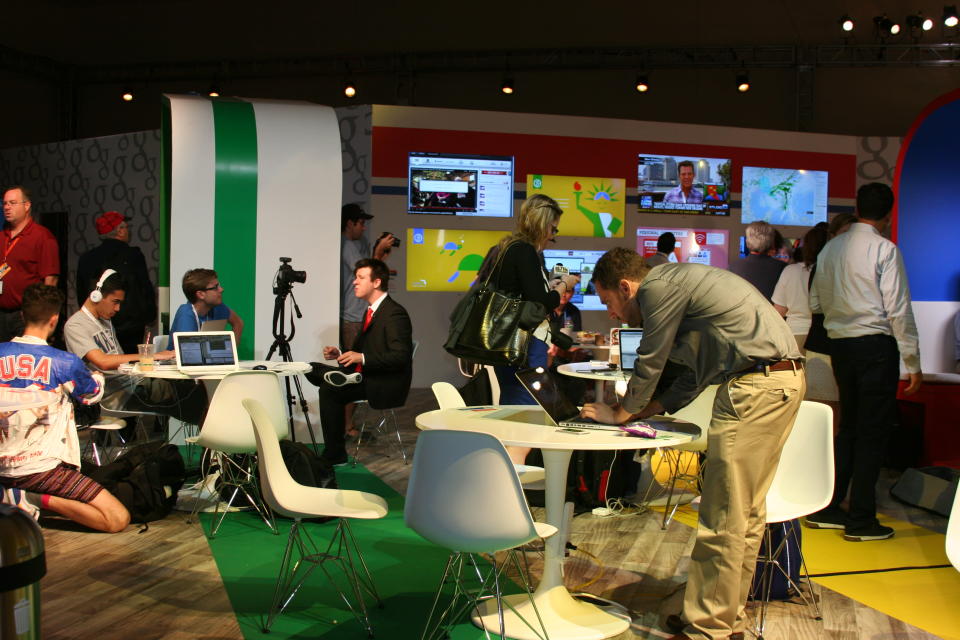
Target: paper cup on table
146,356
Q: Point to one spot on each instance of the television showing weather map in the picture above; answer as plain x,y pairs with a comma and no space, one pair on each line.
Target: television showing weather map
446,259
794,197
683,184
592,207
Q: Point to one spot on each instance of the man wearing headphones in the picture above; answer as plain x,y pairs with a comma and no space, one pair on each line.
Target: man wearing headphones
90,335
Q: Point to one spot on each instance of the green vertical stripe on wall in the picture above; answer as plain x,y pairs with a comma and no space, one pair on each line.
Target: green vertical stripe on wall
235,211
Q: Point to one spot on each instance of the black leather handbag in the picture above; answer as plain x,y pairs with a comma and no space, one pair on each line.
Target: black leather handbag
817,339
492,327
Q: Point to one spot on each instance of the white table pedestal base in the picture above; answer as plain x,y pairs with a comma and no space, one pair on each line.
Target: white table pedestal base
564,617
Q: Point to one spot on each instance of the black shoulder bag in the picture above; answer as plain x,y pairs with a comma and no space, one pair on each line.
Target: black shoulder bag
492,327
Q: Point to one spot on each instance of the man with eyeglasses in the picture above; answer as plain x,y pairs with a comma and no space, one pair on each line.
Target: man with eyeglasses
28,254
139,309
204,304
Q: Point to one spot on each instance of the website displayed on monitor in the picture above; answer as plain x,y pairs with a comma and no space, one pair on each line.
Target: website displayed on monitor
789,197
682,184
581,263
459,184
706,246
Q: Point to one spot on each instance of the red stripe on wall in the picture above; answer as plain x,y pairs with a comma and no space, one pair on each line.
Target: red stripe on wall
594,157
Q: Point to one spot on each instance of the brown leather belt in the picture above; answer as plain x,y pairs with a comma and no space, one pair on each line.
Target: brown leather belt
764,367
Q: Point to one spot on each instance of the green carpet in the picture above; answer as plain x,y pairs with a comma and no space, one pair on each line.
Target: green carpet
405,567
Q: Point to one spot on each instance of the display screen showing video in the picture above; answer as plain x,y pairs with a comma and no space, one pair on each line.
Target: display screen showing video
446,259
683,184
458,184
580,263
706,246
788,197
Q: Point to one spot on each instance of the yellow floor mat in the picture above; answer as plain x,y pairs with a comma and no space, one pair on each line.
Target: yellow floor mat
925,598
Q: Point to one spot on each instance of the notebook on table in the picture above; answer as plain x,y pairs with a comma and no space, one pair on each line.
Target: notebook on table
204,352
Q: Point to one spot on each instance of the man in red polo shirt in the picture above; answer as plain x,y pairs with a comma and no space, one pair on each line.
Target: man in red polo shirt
28,254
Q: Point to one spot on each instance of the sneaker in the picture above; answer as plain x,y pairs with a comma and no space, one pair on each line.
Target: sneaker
870,532
339,378
826,519
19,498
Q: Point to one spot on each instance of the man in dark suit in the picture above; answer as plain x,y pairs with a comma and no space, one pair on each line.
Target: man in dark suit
382,355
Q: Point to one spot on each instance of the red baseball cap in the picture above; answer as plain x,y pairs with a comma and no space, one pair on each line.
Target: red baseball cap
107,222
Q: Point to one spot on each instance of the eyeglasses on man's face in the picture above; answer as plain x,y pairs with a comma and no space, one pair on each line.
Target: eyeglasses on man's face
213,287
13,203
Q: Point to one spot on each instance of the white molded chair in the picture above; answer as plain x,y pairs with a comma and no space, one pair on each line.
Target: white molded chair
802,484
449,398
698,412
465,495
227,431
385,416
289,498
160,342
953,533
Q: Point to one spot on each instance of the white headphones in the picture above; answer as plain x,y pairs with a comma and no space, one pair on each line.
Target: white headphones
96,295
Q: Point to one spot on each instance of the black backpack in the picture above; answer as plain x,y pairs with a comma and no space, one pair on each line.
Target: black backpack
306,467
141,478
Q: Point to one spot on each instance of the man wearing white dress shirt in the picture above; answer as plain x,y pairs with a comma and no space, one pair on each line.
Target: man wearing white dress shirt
861,288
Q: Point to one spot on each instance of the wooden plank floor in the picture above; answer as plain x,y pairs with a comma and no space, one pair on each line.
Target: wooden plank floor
163,583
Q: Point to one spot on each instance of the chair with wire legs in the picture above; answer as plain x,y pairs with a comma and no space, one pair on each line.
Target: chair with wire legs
387,414
680,458
465,495
449,398
301,555
802,484
227,433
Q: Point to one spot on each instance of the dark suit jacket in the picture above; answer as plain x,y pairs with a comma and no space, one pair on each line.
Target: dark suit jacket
387,348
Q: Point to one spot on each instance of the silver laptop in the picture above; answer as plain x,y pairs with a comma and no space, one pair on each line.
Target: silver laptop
543,387
203,352
629,342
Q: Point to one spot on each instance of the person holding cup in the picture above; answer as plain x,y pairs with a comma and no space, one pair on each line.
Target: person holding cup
90,335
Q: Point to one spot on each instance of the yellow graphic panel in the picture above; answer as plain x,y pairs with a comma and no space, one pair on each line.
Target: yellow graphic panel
446,259
592,207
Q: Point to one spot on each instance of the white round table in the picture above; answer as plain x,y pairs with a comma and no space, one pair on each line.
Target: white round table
169,372
599,376
565,617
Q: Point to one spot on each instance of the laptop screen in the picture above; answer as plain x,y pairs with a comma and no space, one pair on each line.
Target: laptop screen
543,387
629,342
206,350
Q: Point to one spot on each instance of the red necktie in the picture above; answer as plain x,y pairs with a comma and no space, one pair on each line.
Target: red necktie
366,323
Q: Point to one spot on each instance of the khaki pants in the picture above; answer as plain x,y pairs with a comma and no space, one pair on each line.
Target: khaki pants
752,417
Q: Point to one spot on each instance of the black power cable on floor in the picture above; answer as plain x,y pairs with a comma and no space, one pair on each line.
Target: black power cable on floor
853,573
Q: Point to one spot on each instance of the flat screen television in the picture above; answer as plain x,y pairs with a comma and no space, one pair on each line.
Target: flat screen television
446,259
580,262
460,184
789,197
706,246
683,184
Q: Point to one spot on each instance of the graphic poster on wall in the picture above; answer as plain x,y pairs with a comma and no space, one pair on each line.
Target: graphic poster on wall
446,259
706,246
592,207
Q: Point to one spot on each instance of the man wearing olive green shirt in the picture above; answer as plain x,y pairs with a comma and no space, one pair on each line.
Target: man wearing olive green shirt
706,326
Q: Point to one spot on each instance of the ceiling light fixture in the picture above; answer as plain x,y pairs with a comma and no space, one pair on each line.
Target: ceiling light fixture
507,86
642,85
127,95
885,26
213,91
349,89
846,23
743,82
950,18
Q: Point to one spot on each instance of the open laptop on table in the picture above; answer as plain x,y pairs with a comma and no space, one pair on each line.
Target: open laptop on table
629,341
561,411
205,352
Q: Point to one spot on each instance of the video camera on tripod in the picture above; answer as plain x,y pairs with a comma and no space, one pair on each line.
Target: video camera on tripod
286,277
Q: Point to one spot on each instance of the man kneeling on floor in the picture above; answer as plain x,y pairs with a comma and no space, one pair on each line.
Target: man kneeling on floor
39,449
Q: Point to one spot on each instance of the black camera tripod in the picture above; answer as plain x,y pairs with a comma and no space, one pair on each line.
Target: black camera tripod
281,344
